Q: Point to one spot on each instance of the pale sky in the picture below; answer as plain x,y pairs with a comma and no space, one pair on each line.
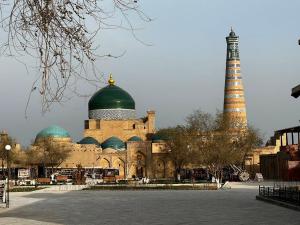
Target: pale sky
183,70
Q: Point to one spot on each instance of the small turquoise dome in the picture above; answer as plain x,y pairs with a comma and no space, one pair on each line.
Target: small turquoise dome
114,143
135,138
54,132
89,141
158,138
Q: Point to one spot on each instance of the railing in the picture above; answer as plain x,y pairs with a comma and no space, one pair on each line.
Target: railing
286,194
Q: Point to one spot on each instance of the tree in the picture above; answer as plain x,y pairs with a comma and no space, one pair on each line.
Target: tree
178,143
48,153
210,141
5,139
60,36
55,154
217,143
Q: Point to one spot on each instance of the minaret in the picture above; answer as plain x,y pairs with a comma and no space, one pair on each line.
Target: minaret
234,99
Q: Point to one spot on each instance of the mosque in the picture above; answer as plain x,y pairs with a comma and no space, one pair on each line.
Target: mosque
114,138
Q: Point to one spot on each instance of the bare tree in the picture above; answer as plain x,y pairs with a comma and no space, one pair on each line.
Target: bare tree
217,143
210,141
5,139
178,142
33,156
48,154
60,35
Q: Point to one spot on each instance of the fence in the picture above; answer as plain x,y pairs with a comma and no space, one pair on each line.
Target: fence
290,194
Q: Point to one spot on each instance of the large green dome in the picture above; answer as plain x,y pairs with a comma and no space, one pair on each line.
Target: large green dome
53,132
111,103
111,97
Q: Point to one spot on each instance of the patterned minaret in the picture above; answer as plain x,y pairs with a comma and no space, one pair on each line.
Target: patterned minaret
234,99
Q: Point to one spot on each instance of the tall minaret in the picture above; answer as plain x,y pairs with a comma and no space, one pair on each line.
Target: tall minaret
234,99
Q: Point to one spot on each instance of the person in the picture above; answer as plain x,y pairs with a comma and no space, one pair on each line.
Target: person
147,180
213,179
218,182
178,177
193,178
52,178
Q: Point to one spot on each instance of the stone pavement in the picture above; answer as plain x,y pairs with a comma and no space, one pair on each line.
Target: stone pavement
233,206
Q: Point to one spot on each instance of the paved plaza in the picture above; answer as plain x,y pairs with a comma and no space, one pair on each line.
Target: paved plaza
233,206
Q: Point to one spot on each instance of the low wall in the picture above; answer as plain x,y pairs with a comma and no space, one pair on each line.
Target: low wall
206,186
67,187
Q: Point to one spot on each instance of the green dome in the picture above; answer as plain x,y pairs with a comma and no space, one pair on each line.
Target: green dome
88,141
135,138
114,143
111,97
53,131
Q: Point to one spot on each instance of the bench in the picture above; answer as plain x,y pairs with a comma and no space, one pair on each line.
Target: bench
43,180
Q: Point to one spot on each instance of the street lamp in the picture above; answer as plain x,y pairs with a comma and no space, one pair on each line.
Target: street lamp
7,148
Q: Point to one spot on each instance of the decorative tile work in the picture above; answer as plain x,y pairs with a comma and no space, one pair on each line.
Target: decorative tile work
112,114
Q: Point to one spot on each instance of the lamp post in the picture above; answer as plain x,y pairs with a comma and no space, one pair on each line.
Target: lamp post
7,148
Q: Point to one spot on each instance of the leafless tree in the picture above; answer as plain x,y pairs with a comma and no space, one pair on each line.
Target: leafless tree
210,141
217,143
47,153
5,139
178,142
60,35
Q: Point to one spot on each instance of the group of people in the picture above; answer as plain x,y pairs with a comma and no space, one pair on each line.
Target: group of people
144,180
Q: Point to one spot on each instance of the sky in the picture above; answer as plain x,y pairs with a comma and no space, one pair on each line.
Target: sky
183,68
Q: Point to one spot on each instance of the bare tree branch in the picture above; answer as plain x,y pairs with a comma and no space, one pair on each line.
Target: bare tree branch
60,35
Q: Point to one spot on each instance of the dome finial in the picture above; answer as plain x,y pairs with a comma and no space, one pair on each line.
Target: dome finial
232,33
111,81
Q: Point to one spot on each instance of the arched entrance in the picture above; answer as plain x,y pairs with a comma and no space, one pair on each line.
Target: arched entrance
160,168
104,163
120,165
141,165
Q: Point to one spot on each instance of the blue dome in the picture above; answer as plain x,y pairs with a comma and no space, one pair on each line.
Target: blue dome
135,138
114,143
53,131
89,141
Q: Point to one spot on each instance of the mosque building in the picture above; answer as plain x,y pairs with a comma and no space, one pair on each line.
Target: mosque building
114,138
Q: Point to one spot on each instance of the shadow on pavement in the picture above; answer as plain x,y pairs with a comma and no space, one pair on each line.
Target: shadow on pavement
235,206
